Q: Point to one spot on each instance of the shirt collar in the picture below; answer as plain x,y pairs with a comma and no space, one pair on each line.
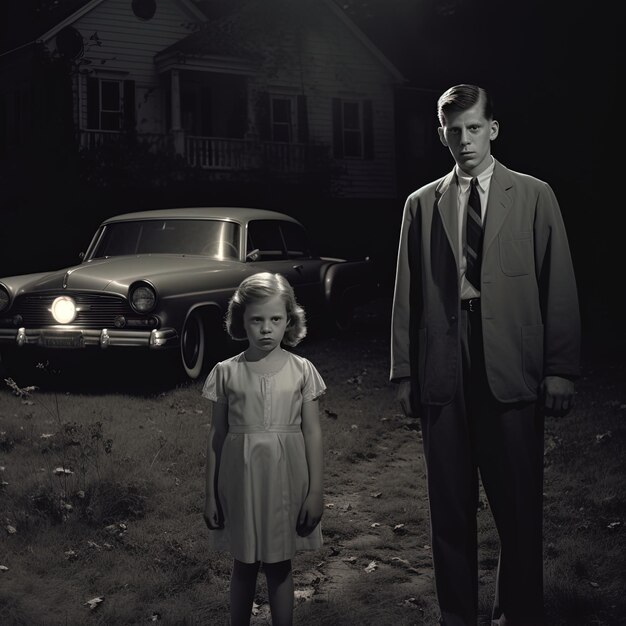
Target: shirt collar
464,180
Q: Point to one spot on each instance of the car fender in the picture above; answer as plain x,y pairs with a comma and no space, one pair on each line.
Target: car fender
348,282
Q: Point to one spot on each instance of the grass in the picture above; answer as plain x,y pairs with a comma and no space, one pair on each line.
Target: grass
126,524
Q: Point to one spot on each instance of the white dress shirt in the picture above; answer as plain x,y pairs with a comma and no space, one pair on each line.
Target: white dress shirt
484,181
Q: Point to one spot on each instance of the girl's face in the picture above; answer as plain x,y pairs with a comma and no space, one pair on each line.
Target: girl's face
265,322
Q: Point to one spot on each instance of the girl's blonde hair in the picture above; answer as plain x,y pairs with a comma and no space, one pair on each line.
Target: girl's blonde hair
257,287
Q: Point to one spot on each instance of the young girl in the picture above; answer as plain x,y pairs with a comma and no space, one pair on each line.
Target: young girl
264,459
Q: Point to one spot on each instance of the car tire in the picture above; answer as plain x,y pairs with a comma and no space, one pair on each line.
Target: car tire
193,346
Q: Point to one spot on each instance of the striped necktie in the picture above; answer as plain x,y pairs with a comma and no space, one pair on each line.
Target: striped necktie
473,236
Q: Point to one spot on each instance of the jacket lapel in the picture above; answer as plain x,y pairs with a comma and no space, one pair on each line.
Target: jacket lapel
499,203
447,195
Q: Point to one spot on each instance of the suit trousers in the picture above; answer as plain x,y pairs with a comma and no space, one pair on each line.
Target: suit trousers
476,435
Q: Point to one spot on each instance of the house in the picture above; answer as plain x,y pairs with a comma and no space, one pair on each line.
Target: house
274,88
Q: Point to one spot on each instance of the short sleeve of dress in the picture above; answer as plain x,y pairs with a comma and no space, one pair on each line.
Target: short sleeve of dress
314,385
213,388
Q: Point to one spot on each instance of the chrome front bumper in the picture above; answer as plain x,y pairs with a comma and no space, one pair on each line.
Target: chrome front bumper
55,337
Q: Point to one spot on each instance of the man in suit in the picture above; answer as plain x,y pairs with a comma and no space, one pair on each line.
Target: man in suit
485,340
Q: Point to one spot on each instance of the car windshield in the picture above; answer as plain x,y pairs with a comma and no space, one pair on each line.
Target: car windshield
213,238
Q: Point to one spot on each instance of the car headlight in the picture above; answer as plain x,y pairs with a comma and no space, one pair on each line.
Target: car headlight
5,299
143,298
63,310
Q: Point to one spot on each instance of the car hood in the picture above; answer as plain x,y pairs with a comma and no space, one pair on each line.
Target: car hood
116,274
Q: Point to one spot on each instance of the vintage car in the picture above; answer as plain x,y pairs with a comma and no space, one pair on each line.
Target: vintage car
160,280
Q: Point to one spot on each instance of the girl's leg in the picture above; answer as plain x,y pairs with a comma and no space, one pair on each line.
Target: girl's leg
280,591
242,588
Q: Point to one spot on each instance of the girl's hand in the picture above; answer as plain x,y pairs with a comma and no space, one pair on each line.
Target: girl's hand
310,514
212,514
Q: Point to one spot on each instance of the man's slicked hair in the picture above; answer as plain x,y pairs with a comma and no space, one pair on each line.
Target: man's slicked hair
463,97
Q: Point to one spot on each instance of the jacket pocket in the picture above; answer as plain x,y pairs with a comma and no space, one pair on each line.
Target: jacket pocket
516,253
532,356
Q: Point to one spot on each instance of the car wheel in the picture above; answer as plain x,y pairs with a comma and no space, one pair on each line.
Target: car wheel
192,346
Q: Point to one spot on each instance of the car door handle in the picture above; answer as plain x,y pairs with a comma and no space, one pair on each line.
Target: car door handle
298,268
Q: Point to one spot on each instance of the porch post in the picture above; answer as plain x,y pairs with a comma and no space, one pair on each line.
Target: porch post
177,129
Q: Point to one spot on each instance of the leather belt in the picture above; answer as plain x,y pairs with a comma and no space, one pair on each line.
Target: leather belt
471,304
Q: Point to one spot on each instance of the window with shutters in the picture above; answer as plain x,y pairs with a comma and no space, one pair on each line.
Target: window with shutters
110,104
282,118
282,112
352,129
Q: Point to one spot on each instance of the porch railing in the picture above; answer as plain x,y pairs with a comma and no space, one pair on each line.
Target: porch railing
89,139
242,154
225,154
220,154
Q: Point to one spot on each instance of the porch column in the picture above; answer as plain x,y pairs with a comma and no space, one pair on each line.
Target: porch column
177,129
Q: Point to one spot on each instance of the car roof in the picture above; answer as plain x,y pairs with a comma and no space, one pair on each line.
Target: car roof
238,214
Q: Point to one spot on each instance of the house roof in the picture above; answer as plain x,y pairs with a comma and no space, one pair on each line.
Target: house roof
187,5
26,23
246,31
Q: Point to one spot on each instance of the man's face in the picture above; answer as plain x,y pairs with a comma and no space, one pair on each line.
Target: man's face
468,135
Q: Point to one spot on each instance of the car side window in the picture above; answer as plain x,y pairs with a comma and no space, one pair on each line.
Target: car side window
264,236
296,240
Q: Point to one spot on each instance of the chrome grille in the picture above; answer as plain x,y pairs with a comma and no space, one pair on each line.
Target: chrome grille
97,310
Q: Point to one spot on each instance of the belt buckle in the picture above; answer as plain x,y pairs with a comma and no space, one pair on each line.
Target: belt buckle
472,305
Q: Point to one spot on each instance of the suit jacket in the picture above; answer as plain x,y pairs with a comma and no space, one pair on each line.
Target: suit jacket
529,301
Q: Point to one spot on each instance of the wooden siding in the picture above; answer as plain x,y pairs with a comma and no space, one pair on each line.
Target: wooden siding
128,46
325,61
321,59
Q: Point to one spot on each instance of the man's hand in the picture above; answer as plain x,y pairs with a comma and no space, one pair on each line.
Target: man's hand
404,397
558,394
212,514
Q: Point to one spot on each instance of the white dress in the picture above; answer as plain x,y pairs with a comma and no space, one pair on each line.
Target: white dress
263,476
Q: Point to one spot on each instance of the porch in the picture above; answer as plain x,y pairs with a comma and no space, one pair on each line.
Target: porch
224,154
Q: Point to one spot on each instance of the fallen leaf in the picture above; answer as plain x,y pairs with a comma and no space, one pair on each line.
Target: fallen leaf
614,525
374,525
604,436
371,567
4,568
70,555
47,435
94,602
594,585
402,561
350,559
62,471
155,617
399,529
330,505
377,494
304,594
11,529
255,608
